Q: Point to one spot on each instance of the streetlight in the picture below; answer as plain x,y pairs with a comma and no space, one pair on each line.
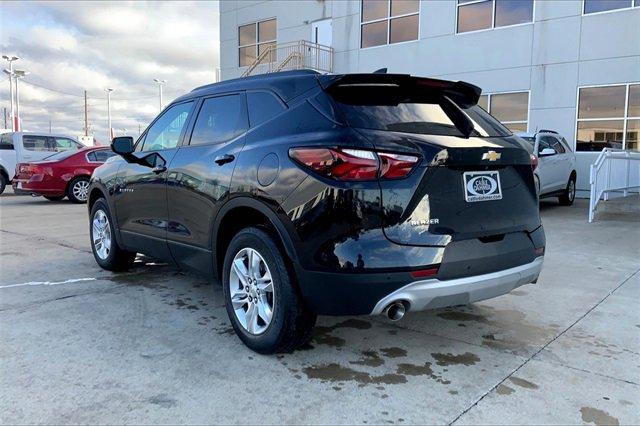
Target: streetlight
110,135
160,83
18,74
10,72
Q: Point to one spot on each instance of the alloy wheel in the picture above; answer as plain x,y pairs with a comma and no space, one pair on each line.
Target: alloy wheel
81,190
572,190
101,234
251,290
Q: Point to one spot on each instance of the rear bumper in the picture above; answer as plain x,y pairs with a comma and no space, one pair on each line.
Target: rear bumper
434,293
36,187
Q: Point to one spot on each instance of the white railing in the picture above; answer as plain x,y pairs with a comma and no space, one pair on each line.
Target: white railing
295,55
614,170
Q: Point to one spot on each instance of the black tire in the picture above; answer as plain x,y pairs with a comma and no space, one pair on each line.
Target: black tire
54,198
291,323
569,195
76,196
118,259
3,183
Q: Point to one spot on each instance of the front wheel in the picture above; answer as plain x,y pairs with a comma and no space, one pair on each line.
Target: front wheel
263,305
3,183
78,191
569,194
106,251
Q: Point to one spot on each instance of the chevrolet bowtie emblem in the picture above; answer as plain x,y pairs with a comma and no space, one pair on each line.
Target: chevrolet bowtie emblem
491,156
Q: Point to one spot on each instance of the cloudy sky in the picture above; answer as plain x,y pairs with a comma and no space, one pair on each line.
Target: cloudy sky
76,46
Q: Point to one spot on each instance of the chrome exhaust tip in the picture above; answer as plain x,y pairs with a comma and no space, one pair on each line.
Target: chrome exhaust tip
395,311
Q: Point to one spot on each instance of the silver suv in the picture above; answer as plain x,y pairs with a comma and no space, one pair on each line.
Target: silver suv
556,172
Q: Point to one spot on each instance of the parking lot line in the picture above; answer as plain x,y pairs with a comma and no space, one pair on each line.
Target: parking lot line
33,283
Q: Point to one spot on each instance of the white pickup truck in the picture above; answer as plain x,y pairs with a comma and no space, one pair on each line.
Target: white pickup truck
23,147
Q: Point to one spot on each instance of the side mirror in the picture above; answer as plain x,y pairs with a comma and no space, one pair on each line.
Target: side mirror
547,152
122,145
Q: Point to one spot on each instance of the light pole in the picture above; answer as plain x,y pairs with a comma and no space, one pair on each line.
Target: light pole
18,74
110,135
11,59
160,83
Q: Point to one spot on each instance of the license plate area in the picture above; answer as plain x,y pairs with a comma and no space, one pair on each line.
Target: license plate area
482,186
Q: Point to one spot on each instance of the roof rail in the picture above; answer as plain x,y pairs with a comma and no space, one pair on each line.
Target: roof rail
548,131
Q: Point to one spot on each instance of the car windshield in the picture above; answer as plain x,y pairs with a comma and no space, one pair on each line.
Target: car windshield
60,155
389,108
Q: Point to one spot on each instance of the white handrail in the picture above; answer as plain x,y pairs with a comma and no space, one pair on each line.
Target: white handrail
614,170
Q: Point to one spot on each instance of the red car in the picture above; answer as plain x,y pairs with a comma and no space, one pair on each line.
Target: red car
62,174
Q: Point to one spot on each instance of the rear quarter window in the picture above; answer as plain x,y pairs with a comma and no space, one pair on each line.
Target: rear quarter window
6,141
262,106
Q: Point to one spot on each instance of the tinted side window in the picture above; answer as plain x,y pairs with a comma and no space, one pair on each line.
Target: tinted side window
220,119
165,132
547,142
262,107
65,144
104,155
557,146
36,143
6,142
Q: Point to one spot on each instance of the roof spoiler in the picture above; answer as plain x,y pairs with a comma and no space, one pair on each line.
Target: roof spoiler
463,93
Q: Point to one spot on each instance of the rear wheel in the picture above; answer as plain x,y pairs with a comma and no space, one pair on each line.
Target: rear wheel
78,191
566,199
264,307
105,248
54,198
3,183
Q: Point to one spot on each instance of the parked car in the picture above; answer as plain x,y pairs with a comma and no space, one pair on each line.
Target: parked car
21,147
65,173
309,194
556,172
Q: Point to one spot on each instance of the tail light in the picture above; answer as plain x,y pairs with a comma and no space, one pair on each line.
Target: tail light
425,273
354,164
534,162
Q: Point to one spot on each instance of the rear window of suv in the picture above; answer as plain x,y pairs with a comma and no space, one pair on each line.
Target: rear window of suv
379,108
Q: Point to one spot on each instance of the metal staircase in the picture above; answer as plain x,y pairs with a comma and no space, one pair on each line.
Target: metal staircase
295,55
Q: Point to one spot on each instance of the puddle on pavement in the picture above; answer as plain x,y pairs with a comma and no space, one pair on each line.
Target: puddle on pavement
369,358
447,359
322,334
523,383
394,352
597,417
337,374
514,333
504,390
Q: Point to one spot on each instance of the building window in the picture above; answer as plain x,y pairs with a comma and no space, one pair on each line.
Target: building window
512,109
595,6
474,15
254,39
608,117
388,21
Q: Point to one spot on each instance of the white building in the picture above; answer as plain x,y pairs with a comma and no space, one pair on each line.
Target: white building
567,65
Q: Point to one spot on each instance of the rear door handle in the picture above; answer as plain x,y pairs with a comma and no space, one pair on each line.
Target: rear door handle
224,159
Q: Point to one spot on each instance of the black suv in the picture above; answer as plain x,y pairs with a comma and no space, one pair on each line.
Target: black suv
308,194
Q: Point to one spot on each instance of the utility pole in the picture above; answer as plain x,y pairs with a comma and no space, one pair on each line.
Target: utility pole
110,135
160,83
10,72
49,126
5,117
86,119
18,74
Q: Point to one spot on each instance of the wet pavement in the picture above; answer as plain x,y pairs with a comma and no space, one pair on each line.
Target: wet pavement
154,345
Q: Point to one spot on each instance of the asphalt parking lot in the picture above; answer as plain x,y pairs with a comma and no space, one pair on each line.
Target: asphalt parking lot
82,345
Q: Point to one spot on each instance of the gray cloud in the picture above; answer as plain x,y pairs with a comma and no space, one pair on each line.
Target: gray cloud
75,46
